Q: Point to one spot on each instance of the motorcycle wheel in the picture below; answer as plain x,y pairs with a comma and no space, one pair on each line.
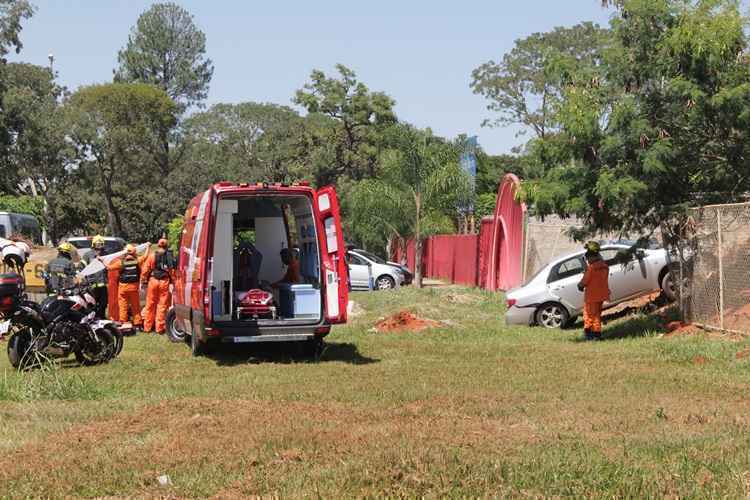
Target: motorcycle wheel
99,349
119,340
23,352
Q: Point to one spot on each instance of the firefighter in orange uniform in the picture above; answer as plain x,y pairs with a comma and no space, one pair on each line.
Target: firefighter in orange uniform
129,267
595,285
158,275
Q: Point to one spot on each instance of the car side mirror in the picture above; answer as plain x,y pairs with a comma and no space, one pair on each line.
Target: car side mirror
640,254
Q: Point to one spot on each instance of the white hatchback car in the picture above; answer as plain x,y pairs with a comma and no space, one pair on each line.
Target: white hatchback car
365,267
551,298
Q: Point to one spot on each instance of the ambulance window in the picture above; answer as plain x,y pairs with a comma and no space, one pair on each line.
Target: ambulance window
331,236
3,232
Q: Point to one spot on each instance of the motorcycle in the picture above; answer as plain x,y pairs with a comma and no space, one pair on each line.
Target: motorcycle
62,324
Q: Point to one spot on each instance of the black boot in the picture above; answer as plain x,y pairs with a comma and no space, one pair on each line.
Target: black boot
587,334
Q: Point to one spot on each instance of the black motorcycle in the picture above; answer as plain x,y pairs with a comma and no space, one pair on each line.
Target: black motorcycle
62,324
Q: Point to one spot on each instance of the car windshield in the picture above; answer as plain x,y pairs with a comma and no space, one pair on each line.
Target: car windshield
112,246
372,257
80,243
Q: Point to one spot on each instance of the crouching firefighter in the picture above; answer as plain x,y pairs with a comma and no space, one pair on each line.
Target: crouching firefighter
98,281
595,285
128,291
158,274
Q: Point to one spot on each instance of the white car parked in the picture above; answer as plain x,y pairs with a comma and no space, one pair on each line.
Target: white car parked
364,267
551,298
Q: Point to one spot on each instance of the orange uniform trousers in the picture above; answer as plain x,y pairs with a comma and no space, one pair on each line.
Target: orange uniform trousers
128,297
157,304
592,316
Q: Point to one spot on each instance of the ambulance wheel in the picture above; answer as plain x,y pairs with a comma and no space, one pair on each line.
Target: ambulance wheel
312,349
173,333
196,346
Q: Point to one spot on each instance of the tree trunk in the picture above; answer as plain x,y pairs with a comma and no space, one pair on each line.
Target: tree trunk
418,241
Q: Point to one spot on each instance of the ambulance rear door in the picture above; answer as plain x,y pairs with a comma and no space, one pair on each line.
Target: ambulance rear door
334,270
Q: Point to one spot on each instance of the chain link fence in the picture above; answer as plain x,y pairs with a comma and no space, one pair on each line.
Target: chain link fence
715,268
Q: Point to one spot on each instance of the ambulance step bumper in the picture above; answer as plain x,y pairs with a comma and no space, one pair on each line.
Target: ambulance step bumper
287,337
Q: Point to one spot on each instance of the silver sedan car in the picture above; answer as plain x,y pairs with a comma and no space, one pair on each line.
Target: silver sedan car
551,298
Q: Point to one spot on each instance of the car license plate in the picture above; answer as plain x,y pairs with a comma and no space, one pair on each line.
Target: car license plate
4,326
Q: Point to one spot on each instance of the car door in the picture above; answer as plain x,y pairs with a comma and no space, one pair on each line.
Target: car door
359,271
628,274
562,282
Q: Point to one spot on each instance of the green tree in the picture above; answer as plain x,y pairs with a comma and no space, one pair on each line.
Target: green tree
358,116
115,128
524,87
421,182
12,14
246,142
668,128
166,48
40,154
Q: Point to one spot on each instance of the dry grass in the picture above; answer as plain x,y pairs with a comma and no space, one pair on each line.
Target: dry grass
471,409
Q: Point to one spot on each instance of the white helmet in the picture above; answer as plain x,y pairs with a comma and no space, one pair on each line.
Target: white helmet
15,256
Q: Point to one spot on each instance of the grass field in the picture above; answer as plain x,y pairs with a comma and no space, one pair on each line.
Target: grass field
472,409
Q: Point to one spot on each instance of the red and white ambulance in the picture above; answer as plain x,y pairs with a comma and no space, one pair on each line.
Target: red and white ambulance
231,247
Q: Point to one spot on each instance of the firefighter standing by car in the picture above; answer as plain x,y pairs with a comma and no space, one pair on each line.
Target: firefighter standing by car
99,280
595,285
130,267
61,270
157,276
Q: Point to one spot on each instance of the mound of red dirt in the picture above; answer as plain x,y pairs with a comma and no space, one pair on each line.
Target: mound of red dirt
680,329
405,321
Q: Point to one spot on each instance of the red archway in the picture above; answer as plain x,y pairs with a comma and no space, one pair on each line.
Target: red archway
506,262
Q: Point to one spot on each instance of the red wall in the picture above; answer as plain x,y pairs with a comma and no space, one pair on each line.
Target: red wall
491,260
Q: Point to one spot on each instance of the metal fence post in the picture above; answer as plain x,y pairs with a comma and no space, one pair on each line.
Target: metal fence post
721,269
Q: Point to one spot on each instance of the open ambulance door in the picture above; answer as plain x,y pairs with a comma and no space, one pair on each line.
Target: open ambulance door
333,269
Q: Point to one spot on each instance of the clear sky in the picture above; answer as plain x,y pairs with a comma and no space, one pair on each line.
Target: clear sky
420,52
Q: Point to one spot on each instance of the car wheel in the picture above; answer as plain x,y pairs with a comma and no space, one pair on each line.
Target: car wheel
552,315
669,286
385,283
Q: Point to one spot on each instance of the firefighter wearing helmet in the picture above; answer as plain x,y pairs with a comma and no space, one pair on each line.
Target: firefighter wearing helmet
61,271
595,288
130,267
98,281
158,275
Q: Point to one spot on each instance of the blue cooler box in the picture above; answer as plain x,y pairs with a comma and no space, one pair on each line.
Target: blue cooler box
299,301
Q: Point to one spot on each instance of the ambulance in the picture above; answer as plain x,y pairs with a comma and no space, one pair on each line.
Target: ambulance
231,249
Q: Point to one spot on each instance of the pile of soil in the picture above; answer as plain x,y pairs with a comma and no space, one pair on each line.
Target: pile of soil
680,329
405,321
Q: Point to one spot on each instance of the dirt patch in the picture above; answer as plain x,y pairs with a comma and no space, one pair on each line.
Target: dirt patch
354,309
745,353
405,321
700,360
461,298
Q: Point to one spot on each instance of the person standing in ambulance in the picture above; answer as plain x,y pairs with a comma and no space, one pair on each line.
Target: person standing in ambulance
157,275
128,291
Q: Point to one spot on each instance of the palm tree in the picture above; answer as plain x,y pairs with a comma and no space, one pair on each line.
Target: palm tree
420,184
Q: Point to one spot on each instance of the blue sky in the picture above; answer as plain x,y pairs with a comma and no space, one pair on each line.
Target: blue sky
420,52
